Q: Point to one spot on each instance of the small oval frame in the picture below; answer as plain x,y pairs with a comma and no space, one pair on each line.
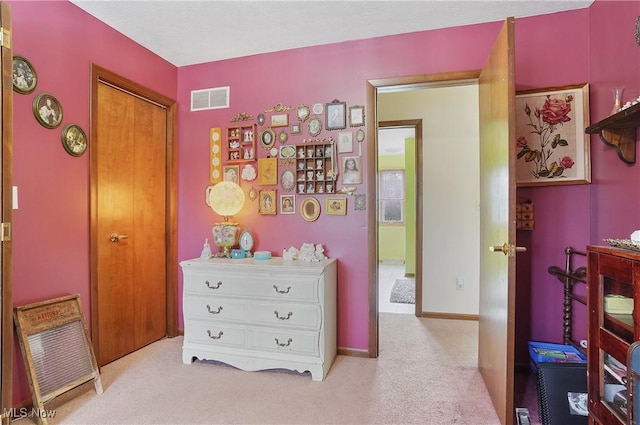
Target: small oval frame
47,116
25,78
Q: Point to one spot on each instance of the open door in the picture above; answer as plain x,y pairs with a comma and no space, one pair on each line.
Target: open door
497,223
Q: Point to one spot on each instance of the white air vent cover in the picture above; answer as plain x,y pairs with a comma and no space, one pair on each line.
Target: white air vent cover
215,98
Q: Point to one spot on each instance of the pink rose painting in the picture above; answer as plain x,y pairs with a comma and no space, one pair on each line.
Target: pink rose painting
550,140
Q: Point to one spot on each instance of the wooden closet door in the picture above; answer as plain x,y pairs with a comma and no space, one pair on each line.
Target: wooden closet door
130,226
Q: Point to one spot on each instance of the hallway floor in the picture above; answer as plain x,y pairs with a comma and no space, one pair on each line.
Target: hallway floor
387,275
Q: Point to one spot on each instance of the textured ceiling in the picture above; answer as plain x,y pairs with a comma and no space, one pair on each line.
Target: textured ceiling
191,32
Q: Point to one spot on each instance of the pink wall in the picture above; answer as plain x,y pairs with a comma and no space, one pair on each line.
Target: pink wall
307,76
51,225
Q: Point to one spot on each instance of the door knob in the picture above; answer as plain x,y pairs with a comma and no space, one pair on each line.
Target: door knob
507,249
114,237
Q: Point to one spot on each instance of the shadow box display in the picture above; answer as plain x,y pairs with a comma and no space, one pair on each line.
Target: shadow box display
241,143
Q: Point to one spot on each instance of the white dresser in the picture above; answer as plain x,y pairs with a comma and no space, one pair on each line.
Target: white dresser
261,314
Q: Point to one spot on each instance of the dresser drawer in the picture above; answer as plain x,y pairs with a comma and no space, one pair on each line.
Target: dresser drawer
214,334
291,287
303,343
286,315
197,306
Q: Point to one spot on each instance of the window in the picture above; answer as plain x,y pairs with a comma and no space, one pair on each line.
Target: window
391,196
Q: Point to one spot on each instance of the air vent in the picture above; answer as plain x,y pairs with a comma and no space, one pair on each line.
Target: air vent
215,98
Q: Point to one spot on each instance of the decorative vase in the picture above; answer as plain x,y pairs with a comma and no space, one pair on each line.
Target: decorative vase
617,99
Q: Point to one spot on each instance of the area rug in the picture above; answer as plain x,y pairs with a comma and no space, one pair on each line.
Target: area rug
403,291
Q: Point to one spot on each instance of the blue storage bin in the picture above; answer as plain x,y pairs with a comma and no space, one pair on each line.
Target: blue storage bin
544,352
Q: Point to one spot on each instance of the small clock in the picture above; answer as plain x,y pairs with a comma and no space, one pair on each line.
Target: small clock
246,242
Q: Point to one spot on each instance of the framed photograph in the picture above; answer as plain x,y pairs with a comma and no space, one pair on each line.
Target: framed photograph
280,120
287,204
25,79
345,142
351,170
296,129
314,126
267,138
267,171
47,110
552,147
356,116
336,115
231,173
287,180
74,140
310,209
266,201
336,206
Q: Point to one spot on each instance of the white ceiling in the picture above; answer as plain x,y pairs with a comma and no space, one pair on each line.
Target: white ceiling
190,32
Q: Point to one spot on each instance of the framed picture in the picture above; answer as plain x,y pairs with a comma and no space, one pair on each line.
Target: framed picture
266,201
74,140
345,142
310,209
303,112
551,145
267,138
287,204
47,110
287,180
356,116
231,173
336,206
336,115
267,171
25,79
280,120
296,129
351,171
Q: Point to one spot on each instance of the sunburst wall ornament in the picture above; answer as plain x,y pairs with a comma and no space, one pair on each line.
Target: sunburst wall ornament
280,107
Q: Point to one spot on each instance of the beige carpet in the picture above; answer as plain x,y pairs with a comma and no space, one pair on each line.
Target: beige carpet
426,374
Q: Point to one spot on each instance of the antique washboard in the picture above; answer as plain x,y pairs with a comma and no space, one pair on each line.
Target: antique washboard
56,349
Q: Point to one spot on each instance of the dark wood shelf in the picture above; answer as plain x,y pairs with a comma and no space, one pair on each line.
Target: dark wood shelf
619,131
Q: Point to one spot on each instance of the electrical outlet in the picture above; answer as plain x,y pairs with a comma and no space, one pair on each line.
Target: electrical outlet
459,283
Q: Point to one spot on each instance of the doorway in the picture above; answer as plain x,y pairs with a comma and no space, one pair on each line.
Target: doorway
133,253
397,179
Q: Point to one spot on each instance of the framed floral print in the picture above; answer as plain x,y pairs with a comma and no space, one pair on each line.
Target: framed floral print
267,201
231,173
336,115
74,140
356,116
552,147
47,110
336,206
24,76
280,120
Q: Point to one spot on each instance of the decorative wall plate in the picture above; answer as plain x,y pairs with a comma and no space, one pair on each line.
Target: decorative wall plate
47,110
267,138
314,126
287,152
310,209
318,108
24,76
74,140
287,180
302,112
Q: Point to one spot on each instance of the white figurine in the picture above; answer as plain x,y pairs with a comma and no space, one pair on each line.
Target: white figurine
206,250
290,254
319,254
307,251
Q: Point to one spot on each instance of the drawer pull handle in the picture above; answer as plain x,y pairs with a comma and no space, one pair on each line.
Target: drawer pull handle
281,292
284,344
216,286
287,317
214,311
214,336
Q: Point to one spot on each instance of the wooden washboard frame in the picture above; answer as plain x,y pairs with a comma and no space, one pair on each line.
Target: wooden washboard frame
56,349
